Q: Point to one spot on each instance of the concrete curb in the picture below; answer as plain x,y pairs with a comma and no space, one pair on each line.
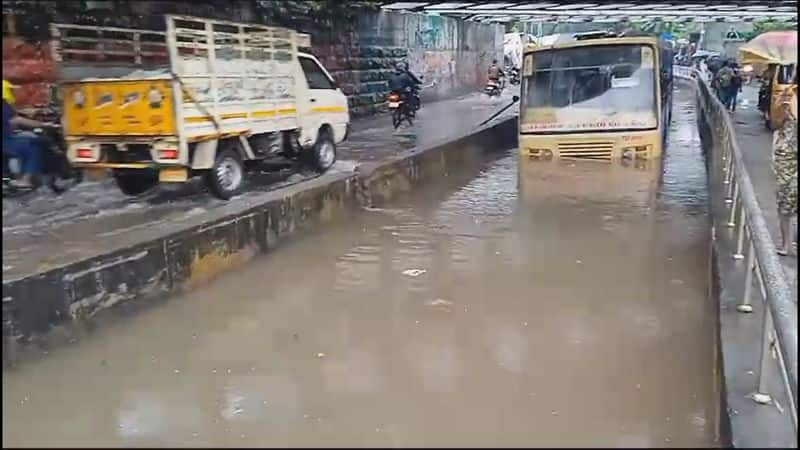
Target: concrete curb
36,305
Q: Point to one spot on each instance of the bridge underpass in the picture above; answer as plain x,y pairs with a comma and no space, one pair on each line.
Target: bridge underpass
467,314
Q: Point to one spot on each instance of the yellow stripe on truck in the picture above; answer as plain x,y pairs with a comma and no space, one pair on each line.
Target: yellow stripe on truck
328,109
242,115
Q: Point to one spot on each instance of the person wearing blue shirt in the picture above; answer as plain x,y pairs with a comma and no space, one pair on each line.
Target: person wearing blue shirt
25,146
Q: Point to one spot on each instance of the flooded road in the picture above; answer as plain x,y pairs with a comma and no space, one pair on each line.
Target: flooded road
45,230
535,304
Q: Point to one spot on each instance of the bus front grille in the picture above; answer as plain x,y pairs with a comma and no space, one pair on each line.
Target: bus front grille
587,150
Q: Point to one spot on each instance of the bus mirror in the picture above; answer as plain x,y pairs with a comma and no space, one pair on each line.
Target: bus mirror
515,98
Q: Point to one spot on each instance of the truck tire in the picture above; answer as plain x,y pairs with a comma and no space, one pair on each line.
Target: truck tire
323,154
135,181
226,177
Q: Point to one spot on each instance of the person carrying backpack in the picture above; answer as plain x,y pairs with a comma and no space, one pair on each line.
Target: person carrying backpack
724,83
736,86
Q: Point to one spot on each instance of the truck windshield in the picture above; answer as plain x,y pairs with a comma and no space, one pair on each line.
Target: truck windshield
593,88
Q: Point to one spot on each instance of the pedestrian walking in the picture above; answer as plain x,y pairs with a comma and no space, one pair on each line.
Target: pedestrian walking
784,163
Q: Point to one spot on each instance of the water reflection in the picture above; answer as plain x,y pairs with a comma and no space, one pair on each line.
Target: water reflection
534,305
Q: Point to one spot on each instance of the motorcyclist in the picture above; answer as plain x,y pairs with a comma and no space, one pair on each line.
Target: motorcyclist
25,146
405,83
495,73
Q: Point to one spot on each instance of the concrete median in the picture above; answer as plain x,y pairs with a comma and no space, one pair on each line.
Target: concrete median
58,303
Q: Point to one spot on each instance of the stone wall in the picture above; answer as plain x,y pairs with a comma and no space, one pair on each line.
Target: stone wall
360,51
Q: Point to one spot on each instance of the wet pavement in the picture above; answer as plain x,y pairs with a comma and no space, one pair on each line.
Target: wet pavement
755,141
46,231
536,304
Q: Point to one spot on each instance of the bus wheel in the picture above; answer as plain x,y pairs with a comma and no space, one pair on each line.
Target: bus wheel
135,181
226,177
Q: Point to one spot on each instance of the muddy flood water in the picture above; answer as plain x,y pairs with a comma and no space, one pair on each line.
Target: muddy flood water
528,304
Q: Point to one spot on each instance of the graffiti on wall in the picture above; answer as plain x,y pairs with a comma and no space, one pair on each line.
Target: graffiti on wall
437,67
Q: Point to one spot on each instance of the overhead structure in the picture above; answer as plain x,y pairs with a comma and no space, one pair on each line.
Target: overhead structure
606,11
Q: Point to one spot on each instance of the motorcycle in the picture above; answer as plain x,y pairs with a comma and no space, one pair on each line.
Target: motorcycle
57,172
513,76
400,109
493,88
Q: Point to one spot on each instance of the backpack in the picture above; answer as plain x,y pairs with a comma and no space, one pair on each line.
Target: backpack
725,77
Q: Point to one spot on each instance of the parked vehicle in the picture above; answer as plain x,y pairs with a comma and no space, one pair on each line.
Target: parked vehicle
207,97
777,52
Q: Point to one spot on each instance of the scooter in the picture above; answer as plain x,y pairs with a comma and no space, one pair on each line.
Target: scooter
513,76
493,88
57,172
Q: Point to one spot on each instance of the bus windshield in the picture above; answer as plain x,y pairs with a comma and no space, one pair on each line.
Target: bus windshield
591,88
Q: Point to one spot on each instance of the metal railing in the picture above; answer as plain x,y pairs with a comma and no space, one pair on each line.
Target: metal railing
755,246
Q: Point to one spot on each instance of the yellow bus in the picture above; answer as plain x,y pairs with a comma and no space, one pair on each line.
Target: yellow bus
596,96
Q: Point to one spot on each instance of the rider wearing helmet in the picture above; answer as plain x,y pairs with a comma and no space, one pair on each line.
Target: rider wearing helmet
403,81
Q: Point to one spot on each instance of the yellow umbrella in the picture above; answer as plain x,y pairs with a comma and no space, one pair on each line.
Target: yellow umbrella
773,47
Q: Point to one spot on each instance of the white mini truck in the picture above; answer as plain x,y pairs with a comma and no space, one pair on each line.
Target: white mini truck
205,97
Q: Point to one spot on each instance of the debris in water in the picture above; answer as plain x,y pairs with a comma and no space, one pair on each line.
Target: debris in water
666,439
525,324
638,386
320,355
441,304
177,371
229,370
414,272
213,370
554,412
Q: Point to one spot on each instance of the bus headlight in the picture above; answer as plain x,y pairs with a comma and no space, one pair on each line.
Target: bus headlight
540,153
640,151
628,153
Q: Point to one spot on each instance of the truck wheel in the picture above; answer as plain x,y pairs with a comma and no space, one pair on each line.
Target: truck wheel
135,182
226,177
322,156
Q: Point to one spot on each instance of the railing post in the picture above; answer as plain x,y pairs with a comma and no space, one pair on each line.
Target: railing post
745,306
735,204
729,182
761,396
740,237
